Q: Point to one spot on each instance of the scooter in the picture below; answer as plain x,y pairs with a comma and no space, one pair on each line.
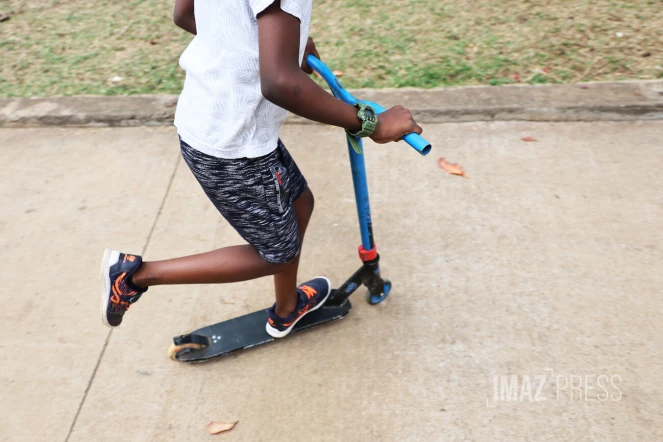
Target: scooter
249,330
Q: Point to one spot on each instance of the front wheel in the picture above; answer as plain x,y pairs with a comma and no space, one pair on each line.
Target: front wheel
379,294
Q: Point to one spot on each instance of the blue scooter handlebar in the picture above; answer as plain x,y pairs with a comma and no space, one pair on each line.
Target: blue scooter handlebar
416,141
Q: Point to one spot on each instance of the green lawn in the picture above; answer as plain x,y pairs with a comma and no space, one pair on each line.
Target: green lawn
115,48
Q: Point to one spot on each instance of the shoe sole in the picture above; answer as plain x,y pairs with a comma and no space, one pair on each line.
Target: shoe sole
274,333
110,258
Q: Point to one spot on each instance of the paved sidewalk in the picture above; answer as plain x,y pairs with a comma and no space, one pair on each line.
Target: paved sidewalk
548,257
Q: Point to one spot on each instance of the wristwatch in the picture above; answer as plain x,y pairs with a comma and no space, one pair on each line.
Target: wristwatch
369,121
368,118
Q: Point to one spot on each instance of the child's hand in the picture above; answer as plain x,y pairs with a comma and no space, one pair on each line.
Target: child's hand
310,49
394,124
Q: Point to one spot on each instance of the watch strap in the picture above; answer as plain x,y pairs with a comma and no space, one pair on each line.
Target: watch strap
354,141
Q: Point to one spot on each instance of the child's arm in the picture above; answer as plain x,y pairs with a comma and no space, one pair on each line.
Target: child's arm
285,84
183,15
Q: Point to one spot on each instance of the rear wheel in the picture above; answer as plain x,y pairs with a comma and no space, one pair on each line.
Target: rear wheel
175,350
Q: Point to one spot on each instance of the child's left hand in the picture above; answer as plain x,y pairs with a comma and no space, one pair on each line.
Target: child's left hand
310,49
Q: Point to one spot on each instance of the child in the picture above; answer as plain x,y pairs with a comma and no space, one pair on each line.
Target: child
245,69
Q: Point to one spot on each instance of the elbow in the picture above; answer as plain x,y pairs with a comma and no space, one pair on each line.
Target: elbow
183,15
270,89
178,19
275,87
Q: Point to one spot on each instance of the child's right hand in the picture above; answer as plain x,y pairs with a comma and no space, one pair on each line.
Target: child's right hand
394,124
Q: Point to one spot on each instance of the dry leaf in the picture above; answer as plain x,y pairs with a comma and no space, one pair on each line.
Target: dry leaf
220,427
454,169
528,139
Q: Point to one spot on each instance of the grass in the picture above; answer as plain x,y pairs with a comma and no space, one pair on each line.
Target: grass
60,47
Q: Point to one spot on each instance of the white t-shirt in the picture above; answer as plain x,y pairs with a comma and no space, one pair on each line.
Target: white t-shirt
221,110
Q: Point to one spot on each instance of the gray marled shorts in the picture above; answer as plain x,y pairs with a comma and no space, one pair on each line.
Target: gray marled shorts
256,196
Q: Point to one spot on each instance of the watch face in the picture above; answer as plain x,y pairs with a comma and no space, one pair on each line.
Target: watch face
369,114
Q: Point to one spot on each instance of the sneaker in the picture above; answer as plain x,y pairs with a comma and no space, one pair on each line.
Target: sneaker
117,291
311,296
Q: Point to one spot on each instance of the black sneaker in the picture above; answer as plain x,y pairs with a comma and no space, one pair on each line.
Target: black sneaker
311,296
117,292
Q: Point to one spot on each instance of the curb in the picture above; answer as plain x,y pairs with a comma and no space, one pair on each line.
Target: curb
612,101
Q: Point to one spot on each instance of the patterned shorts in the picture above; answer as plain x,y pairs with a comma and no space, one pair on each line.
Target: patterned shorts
256,196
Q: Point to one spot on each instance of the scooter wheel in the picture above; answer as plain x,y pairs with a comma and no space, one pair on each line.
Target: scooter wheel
377,296
174,350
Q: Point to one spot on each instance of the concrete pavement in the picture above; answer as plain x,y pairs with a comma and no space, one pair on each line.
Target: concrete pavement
526,305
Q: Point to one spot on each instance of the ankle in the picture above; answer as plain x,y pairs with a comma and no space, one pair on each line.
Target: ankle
284,312
140,277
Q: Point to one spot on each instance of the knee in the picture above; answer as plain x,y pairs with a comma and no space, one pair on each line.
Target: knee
312,203
285,265
291,262
308,202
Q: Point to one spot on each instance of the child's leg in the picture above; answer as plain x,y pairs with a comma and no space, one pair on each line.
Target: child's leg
232,264
294,302
228,264
266,200
285,283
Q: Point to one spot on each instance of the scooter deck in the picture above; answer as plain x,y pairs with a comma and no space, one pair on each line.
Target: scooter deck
245,332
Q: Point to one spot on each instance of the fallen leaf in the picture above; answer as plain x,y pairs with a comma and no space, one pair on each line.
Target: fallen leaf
338,73
220,427
528,139
547,70
153,42
453,169
516,77
584,87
